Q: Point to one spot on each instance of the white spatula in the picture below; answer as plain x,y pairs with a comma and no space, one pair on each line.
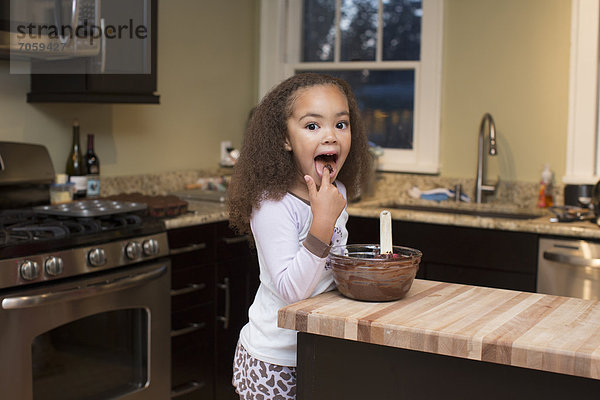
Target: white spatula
385,232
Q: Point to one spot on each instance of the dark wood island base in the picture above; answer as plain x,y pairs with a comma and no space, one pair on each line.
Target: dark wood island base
331,368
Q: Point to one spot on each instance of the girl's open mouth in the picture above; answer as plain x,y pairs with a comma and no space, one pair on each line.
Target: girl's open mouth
326,160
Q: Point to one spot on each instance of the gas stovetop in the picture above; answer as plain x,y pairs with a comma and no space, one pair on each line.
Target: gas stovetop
25,232
37,248
40,243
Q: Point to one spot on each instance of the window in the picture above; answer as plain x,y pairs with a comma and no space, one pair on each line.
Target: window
388,50
583,161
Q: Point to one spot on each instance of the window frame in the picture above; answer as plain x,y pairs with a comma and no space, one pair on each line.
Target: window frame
583,144
280,41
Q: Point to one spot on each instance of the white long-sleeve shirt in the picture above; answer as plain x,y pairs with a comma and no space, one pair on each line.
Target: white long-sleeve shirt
293,266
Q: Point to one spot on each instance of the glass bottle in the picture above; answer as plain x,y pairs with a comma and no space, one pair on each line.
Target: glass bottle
92,163
75,168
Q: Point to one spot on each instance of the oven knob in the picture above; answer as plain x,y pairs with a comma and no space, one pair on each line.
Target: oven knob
97,257
53,266
151,247
29,270
133,250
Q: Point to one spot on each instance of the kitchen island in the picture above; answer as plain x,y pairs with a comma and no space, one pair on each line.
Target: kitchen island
446,341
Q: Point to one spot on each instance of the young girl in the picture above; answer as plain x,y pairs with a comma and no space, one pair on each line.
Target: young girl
304,149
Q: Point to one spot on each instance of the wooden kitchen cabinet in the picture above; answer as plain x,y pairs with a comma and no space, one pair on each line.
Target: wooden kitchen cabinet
482,257
215,277
237,282
193,289
118,79
333,368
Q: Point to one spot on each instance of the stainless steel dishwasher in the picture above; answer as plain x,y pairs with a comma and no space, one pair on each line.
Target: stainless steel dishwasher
569,268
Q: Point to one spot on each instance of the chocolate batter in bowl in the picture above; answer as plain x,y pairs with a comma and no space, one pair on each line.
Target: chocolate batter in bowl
361,272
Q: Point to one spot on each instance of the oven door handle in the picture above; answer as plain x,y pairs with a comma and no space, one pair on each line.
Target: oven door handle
14,303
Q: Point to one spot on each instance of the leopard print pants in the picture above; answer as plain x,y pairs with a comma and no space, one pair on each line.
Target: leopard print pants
257,380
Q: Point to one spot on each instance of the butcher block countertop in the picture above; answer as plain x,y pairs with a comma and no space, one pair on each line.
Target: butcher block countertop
530,330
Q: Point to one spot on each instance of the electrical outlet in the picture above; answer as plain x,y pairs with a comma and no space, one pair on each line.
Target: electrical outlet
224,152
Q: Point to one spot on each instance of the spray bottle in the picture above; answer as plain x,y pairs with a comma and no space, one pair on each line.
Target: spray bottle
545,198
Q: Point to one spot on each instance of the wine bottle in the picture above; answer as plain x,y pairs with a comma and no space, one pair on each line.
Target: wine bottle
92,163
75,167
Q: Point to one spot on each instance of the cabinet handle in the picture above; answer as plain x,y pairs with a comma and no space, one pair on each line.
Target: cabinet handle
225,318
191,247
193,327
571,259
58,18
103,44
186,388
75,14
194,287
236,239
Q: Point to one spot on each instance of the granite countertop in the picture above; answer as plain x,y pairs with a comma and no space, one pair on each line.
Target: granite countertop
199,212
202,212
450,214
530,330
388,189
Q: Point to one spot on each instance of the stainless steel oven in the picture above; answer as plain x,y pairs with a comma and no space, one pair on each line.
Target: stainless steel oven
84,292
101,337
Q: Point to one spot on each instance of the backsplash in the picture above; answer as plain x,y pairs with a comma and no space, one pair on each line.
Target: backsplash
158,183
523,194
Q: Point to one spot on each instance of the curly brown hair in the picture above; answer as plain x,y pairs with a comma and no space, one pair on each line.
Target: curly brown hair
265,170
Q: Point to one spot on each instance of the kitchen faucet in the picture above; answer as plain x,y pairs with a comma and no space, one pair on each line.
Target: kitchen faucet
480,186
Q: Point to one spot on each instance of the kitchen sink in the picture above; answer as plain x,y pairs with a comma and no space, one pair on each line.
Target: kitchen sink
524,215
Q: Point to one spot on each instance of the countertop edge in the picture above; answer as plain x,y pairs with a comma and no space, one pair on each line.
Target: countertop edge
195,219
199,212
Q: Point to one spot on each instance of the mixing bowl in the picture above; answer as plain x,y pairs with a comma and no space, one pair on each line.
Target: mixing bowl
361,272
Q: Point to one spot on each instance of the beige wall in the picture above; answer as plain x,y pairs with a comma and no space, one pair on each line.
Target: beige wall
207,79
509,58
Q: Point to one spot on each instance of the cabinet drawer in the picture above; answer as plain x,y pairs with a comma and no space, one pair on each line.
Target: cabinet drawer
201,316
191,364
455,245
365,230
192,348
192,286
193,390
470,247
199,239
191,258
231,245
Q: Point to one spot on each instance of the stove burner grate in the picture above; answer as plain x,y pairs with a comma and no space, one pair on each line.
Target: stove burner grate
23,226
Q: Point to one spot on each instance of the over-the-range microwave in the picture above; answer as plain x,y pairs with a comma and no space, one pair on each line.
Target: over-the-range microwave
49,29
